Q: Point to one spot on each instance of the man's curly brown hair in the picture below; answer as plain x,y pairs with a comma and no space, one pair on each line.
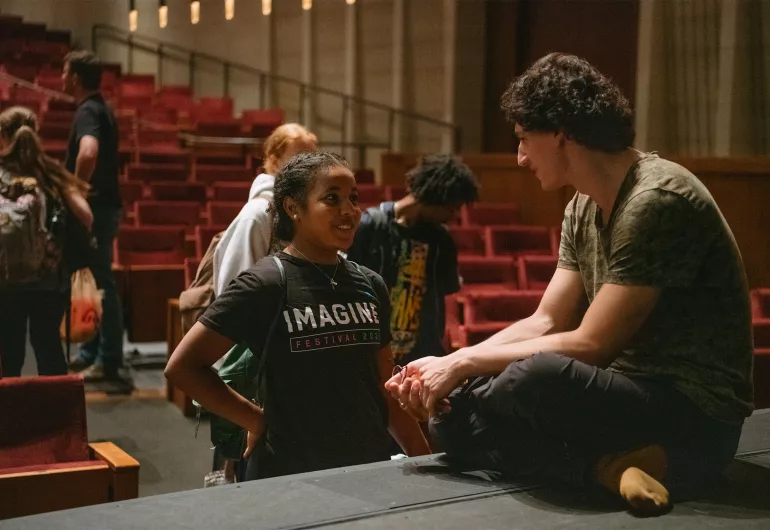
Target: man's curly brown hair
562,92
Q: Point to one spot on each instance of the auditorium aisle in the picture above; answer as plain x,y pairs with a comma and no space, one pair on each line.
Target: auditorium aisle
150,429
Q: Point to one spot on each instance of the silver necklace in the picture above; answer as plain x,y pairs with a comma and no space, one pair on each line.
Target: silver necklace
330,278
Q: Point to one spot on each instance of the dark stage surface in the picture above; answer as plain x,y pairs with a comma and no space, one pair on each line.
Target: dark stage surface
424,493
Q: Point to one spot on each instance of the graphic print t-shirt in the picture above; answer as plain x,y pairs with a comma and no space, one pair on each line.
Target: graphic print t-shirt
324,406
419,264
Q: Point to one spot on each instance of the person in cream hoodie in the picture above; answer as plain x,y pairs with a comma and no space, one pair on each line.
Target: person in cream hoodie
248,238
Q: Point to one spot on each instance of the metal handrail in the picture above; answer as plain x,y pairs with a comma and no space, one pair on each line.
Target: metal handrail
161,48
37,88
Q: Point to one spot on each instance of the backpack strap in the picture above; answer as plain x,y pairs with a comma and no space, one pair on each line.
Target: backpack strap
367,280
271,330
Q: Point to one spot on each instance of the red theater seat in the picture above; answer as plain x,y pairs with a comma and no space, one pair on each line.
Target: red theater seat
160,136
164,154
46,462
59,117
159,116
518,240
221,158
190,270
178,191
159,213
137,86
364,176
62,104
212,174
54,131
555,240
131,192
203,237
157,172
222,213
760,303
535,272
214,108
230,191
761,333
486,313
252,116
491,214
469,240
26,72
158,245
371,193
229,127
505,307
487,273
261,123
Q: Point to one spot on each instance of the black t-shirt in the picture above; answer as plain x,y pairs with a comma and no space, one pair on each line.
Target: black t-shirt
94,118
324,404
419,266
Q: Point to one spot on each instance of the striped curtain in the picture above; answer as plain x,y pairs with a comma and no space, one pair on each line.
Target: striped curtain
690,64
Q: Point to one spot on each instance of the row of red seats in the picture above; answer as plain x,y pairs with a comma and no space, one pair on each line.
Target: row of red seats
184,213
174,104
502,239
484,313
186,167
211,188
161,245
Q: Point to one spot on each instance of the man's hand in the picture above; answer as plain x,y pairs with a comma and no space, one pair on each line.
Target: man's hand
437,378
422,385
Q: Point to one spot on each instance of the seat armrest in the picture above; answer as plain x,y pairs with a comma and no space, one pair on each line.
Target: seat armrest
124,470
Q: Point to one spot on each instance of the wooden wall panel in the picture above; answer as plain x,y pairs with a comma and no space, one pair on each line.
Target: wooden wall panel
501,62
521,31
745,203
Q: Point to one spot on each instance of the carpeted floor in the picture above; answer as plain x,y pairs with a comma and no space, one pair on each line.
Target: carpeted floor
155,433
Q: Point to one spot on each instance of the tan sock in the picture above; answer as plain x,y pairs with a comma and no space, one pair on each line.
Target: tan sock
636,477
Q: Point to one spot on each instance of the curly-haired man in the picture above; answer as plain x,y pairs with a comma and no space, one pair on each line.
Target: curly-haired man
635,371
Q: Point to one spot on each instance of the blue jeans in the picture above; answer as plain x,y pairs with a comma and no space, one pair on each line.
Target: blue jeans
552,417
107,347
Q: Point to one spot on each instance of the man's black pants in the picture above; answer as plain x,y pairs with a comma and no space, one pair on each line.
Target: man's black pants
552,417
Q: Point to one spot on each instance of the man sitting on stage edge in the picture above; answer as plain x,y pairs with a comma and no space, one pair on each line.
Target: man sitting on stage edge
635,371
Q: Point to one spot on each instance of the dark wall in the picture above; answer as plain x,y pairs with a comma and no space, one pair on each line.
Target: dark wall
520,31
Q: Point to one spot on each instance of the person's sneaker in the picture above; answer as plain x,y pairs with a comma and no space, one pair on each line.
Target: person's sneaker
96,372
78,365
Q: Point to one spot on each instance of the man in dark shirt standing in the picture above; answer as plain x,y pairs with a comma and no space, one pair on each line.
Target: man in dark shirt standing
92,155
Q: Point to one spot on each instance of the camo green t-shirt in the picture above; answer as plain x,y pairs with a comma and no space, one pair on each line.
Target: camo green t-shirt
665,230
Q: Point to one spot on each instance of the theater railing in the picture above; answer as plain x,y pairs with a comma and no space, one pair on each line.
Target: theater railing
352,108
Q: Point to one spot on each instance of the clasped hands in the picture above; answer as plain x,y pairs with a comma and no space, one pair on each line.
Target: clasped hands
421,387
